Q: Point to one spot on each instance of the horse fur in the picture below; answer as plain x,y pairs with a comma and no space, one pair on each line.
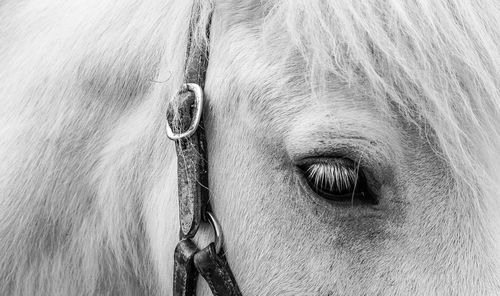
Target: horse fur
88,188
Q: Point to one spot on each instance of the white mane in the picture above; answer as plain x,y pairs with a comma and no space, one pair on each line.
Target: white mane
437,62
83,87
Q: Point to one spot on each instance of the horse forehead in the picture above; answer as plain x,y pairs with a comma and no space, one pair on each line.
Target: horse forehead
248,81
270,79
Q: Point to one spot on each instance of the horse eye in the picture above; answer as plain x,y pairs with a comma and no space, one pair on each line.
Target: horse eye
338,180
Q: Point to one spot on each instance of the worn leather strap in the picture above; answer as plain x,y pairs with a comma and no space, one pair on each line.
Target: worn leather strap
185,273
215,270
193,185
191,170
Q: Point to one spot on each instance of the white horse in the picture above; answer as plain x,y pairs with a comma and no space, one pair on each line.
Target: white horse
354,145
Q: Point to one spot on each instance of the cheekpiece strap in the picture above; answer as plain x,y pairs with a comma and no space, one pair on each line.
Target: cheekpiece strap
185,126
215,270
185,273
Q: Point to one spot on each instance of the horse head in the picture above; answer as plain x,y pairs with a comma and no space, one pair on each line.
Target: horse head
352,146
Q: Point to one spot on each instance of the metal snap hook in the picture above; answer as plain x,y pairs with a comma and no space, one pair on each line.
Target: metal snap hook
198,107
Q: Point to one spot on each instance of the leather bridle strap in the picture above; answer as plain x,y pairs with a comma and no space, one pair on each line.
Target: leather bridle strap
185,126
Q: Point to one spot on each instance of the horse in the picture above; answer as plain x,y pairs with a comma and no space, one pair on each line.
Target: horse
352,146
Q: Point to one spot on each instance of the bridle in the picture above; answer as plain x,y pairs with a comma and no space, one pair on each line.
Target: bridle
185,127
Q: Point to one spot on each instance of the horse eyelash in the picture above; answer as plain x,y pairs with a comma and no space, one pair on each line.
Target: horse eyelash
337,176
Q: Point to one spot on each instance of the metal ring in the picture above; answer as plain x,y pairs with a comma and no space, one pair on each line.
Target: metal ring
198,94
219,237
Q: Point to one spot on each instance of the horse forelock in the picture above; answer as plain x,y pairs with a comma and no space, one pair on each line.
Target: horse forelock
437,61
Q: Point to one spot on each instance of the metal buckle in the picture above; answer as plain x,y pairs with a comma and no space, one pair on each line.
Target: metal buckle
198,106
